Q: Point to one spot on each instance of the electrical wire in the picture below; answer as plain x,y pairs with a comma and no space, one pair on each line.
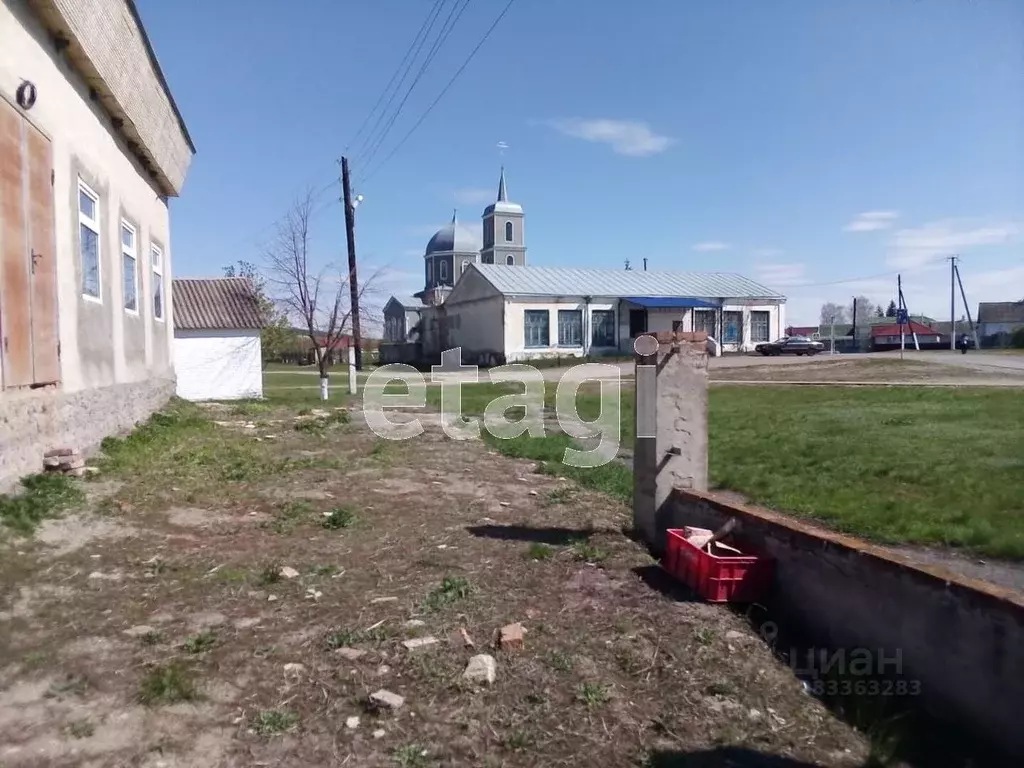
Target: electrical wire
432,14
442,36
444,90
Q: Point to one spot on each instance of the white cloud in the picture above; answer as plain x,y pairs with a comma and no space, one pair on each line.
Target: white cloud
871,221
711,245
766,253
919,246
475,196
626,137
781,275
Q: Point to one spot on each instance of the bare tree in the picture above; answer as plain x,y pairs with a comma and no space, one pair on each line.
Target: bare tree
316,298
865,309
833,313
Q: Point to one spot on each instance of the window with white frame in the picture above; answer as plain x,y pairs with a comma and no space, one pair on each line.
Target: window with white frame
602,322
129,268
444,270
732,327
89,241
570,328
510,260
156,258
508,232
536,330
465,266
759,325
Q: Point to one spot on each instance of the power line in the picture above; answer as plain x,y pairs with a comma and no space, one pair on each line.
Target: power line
432,13
432,19
444,90
442,37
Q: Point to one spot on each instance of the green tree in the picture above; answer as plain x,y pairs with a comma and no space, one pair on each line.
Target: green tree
276,337
891,310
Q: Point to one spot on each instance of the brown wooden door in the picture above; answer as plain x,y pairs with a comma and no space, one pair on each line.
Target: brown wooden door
28,269
43,258
15,300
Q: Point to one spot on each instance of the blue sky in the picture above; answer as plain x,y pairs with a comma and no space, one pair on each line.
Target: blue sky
799,142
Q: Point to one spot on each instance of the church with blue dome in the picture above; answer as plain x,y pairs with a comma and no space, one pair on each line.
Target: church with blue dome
480,296
455,247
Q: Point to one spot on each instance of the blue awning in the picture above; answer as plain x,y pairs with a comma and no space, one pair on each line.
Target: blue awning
669,302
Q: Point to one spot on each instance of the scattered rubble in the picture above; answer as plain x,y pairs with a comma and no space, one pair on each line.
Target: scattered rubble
379,733
419,642
139,630
414,623
481,669
66,460
352,722
352,654
288,572
511,637
384,600
461,639
384,699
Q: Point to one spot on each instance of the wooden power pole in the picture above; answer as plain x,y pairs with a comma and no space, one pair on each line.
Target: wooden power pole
353,284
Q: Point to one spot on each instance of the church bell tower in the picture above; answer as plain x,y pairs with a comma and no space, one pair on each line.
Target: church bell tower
504,241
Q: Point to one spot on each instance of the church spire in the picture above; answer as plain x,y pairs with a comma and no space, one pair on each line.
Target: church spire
502,194
455,216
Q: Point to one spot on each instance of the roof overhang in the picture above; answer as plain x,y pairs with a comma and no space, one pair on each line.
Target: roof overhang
124,76
670,302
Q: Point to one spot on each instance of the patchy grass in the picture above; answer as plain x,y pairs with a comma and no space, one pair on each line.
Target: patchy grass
586,552
42,496
539,551
320,424
411,756
272,722
200,642
613,479
594,694
168,684
451,590
81,729
705,636
339,517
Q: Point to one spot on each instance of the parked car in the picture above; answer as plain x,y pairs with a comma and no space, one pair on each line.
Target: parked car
790,345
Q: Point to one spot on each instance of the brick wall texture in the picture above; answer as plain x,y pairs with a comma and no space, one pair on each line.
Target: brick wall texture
113,42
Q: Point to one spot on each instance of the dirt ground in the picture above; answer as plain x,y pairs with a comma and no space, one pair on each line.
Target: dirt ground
232,593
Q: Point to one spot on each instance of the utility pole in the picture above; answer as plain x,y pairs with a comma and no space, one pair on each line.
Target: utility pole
353,284
952,303
967,309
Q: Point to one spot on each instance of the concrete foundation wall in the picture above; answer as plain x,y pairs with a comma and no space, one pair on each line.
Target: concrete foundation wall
961,640
33,422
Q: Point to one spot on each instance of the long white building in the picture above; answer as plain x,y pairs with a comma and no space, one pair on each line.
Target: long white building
482,296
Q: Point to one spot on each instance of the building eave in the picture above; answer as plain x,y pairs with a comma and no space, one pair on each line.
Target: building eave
143,132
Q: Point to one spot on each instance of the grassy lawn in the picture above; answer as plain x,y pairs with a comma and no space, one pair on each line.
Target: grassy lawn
901,465
925,466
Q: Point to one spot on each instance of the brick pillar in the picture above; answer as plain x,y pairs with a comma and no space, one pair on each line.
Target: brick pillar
671,426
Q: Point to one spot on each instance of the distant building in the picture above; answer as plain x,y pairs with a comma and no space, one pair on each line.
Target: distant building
481,295
888,336
92,147
998,320
217,350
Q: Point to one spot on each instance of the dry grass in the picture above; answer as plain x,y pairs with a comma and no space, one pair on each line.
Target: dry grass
230,662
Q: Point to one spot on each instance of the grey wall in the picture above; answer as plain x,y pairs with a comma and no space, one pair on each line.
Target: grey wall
34,422
963,641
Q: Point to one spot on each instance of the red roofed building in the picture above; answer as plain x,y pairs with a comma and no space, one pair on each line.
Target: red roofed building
887,336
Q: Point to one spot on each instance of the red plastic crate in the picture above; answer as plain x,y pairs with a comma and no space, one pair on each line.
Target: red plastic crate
717,578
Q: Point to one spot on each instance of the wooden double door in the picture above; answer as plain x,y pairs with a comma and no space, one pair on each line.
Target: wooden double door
29,336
